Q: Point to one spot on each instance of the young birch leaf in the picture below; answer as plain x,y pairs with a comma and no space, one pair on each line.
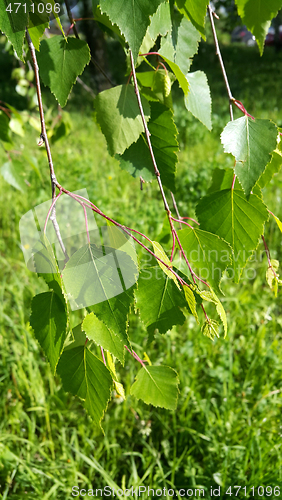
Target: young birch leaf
251,142
257,15
208,252
119,117
96,330
198,101
157,385
159,251
60,63
239,221
49,321
210,296
111,366
278,222
13,24
195,11
190,297
210,329
271,275
85,376
137,159
132,17
159,301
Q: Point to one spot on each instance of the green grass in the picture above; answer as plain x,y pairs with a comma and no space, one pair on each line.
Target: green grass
227,428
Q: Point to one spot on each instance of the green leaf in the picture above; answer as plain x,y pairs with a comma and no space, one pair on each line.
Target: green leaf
178,47
223,179
13,24
239,221
157,385
159,301
278,222
96,330
92,276
257,15
210,329
160,22
60,63
79,338
114,313
132,17
119,117
39,19
195,11
273,276
4,127
85,376
159,251
36,32
45,265
160,25
251,142
207,252
190,297
198,101
12,171
210,296
104,22
271,168
49,321
137,159
16,125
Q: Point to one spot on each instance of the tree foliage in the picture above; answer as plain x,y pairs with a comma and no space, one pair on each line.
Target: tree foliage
97,270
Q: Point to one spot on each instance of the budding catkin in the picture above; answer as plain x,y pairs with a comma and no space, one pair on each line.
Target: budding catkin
167,91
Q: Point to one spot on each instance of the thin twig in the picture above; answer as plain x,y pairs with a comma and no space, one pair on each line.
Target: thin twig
175,205
218,53
147,133
41,112
103,356
88,89
73,26
44,137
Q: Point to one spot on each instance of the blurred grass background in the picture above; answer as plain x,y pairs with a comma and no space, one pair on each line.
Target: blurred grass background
227,428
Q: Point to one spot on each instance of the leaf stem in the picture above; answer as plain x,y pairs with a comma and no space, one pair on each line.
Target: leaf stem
103,356
133,353
182,222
